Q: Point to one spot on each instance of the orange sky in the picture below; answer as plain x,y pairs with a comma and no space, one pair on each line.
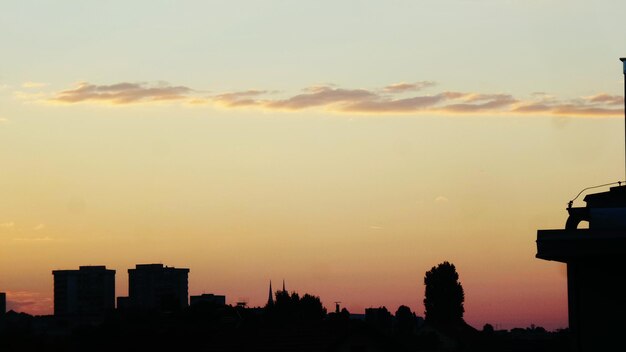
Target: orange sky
346,148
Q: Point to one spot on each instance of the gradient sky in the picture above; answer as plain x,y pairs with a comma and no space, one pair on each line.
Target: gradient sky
344,146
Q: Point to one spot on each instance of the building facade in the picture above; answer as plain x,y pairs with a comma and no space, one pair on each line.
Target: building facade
595,267
90,290
156,287
208,298
3,303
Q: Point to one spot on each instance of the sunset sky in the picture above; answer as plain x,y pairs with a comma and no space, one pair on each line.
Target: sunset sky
343,146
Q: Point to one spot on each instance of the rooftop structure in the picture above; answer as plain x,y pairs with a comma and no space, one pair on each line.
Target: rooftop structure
209,298
158,287
88,291
595,267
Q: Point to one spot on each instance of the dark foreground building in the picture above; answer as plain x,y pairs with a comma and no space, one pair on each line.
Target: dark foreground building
155,287
595,269
208,298
3,303
88,291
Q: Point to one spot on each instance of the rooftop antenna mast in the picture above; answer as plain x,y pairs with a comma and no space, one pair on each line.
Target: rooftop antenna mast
337,307
623,60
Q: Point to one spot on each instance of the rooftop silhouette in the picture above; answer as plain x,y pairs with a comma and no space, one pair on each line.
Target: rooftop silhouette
88,291
158,287
288,322
594,259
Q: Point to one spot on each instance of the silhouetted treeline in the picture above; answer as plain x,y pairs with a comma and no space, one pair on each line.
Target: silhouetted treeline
290,308
209,327
289,322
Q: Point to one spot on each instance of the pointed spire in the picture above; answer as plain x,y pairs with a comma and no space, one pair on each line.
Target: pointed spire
284,286
270,299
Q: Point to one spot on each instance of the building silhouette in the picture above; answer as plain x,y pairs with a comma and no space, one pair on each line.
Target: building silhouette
208,298
156,287
270,298
380,317
595,268
88,291
3,303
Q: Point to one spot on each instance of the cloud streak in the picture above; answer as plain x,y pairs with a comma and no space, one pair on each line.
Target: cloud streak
236,99
122,93
36,239
7,225
404,87
30,302
362,101
398,98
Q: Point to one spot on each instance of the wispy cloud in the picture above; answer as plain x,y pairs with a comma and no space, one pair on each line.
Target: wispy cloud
606,99
7,225
37,239
398,98
441,200
404,87
389,100
39,227
320,96
599,105
122,93
29,302
237,99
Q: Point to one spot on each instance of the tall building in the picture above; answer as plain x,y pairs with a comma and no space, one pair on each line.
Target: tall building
158,287
3,303
595,268
90,290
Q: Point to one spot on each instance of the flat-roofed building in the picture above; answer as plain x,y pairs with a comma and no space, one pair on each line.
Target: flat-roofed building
595,267
208,298
158,287
90,290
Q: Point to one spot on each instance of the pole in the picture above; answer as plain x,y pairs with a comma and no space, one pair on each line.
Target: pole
623,60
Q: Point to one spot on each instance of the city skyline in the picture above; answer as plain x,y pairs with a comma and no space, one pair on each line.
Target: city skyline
344,147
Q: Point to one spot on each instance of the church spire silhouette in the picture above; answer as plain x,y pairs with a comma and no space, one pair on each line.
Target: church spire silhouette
270,299
284,286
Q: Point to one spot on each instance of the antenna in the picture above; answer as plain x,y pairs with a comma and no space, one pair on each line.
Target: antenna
623,60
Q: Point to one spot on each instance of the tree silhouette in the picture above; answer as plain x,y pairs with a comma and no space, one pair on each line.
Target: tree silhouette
444,295
290,308
311,308
405,320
